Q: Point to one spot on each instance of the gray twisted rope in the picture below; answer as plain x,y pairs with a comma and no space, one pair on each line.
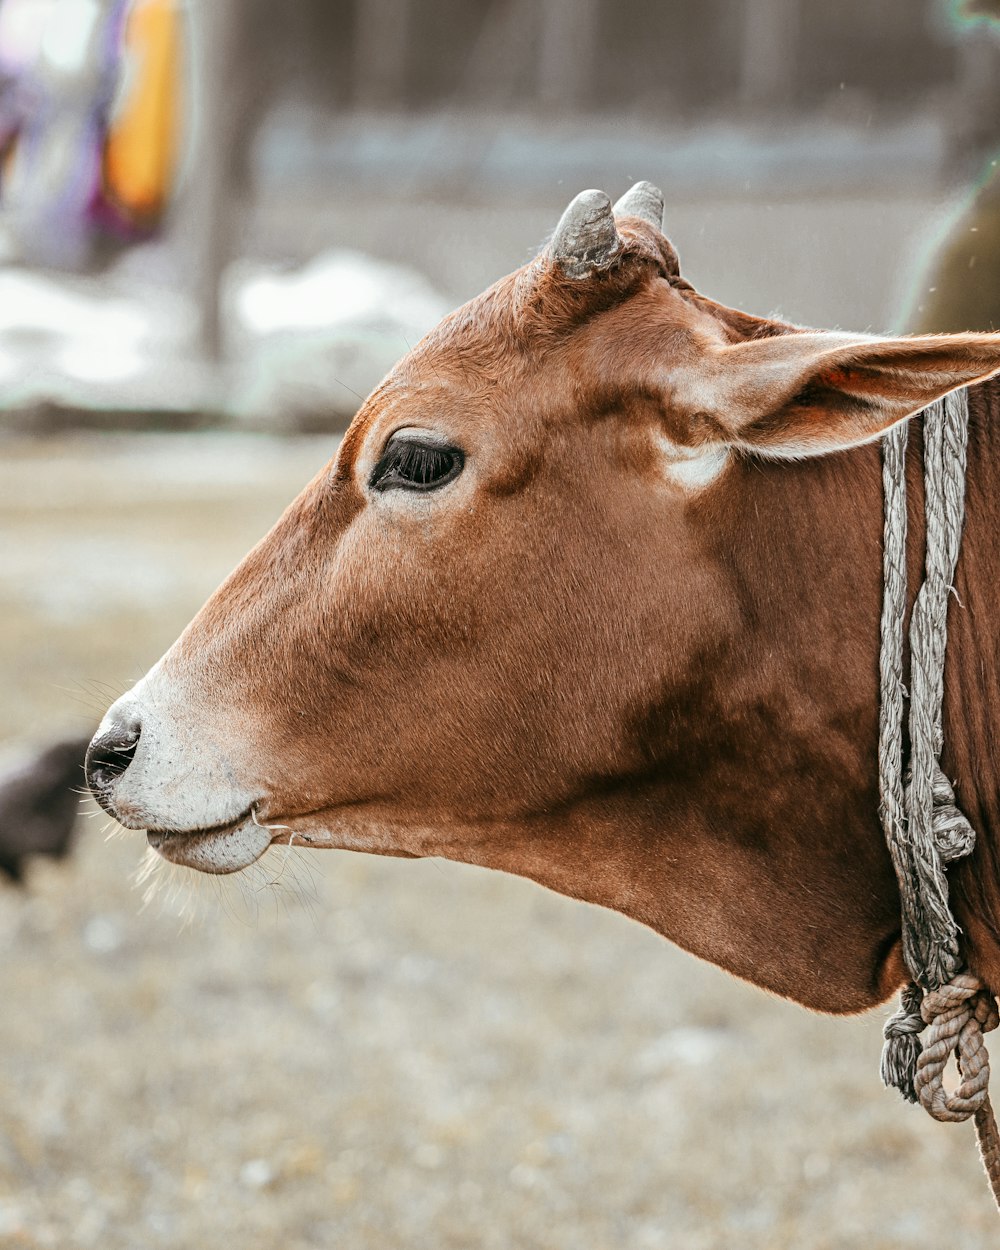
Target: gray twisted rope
924,828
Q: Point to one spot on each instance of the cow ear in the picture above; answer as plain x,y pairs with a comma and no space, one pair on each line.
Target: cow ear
806,394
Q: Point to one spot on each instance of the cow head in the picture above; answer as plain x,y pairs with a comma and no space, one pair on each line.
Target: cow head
512,621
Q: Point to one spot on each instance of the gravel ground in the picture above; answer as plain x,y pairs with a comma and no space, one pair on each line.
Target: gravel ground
341,1051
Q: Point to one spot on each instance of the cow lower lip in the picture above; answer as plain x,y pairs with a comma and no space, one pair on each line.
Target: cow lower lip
157,836
219,849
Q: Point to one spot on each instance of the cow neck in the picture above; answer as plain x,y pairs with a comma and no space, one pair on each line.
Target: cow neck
771,796
752,838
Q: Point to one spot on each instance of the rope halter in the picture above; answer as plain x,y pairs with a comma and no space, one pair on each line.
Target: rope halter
923,827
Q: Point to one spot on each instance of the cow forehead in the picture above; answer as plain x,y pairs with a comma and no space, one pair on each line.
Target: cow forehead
542,300
537,316
535,336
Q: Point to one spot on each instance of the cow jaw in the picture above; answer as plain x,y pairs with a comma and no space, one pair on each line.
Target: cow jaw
235,847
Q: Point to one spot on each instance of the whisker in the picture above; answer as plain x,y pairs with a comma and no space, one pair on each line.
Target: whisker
294,888
238,896
349,388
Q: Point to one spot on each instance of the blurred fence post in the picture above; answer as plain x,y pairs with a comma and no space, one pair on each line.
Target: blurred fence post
381,46
769,52
206,213
566,55
493,71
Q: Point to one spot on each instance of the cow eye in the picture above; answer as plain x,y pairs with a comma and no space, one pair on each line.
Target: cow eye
413,463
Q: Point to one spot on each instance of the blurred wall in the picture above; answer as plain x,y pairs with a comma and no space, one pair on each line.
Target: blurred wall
656,56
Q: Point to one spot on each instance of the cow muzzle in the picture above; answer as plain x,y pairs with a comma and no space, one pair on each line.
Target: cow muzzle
168,772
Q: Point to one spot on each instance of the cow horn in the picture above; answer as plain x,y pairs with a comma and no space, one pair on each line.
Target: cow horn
645,201
586,237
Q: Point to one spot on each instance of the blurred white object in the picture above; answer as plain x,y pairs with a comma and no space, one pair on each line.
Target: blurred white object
309,344
303,346
94,343
336,288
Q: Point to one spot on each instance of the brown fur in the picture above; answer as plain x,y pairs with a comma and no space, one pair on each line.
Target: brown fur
571,669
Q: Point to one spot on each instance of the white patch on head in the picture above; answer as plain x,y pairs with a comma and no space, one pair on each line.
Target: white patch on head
692,468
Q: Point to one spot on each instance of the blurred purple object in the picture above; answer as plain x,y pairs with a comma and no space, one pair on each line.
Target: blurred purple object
60,61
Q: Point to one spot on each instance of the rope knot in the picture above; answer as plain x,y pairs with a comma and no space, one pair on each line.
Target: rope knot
902,1042
957,1015
954,837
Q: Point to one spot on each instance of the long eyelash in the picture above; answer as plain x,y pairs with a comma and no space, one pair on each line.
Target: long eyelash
418,464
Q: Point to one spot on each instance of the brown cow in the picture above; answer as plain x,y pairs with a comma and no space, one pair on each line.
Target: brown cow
584,597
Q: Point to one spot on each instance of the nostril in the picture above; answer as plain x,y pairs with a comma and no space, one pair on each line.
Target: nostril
109,756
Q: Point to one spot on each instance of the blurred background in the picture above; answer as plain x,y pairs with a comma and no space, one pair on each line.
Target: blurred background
220,223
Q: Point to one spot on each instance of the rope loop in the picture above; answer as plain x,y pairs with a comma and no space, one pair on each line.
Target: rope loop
957,1015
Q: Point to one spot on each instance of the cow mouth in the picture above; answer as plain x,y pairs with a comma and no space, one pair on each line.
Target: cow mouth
217,849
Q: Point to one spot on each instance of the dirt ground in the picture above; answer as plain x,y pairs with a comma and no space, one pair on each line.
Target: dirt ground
341,1051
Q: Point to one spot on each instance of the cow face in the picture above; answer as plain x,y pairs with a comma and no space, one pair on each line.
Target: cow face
505,601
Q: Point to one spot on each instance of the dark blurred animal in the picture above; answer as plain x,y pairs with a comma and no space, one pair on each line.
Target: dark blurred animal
39,801
586,596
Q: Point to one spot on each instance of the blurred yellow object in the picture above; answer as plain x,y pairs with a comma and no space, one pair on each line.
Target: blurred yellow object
140,154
